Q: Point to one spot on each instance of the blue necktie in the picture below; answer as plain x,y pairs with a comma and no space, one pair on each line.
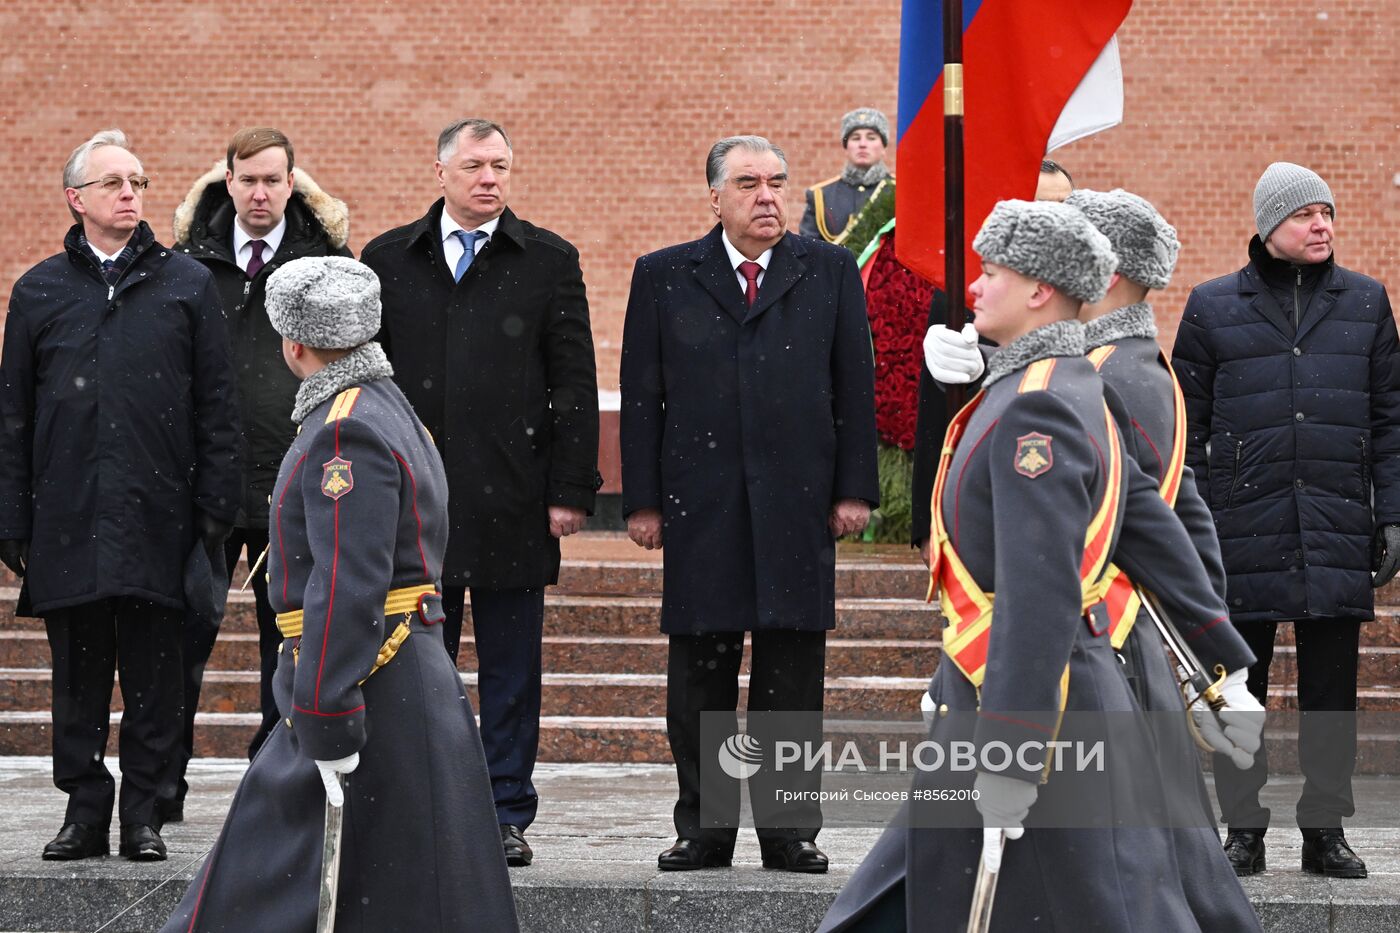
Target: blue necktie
107,273
468,251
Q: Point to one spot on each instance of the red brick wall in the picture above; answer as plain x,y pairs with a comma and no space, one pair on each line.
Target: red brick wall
612,107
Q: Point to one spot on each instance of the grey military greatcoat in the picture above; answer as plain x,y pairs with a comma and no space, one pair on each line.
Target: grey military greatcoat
359,511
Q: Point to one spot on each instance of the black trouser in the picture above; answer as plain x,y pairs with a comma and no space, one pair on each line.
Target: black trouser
269,638
787,672
507,626
1327,652
141,642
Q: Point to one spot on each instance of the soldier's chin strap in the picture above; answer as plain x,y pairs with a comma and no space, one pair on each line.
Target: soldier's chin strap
129,907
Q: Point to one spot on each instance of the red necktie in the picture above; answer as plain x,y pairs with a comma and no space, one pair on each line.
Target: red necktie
256,263
750,271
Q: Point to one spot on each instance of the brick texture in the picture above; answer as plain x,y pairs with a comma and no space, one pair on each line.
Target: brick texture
612,107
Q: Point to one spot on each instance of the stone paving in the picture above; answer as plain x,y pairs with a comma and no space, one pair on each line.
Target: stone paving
596,839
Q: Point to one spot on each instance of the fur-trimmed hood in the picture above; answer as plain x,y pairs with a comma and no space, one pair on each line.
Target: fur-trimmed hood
331,213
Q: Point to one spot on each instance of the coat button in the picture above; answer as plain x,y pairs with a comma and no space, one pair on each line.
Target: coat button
1298,483
1297,351
1298,554
942,709
1298,416
281,646
288,721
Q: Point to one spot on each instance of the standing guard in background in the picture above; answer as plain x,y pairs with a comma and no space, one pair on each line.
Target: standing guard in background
834,205
118,467
359,520
242,220
1020,648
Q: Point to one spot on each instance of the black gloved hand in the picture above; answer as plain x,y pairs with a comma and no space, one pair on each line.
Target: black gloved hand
1385,554
14,553
212,533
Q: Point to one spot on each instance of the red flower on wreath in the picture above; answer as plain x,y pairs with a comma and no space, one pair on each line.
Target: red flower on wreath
897,302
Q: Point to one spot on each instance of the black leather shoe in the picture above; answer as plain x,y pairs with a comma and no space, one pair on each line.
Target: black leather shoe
1245,850
141,844
75,841
518,851
797,855
689,855
1326,853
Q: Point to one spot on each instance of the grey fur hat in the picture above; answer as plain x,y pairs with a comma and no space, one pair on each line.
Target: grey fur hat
865,118
326,302
1282,189
1145,244
1050,242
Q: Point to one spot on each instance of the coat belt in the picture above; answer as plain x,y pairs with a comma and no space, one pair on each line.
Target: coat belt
404,599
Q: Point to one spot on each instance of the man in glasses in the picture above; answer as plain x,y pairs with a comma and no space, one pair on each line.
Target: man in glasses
118,482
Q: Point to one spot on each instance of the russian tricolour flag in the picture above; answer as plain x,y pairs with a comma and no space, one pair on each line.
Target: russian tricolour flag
1036,73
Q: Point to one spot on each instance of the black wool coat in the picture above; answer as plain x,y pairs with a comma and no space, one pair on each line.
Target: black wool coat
317,225
744,425
500,368
119,422
1304,438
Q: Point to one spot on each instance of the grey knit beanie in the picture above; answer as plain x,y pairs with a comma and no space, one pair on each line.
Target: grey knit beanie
1282,189
326,302
1145,244
865,118
1050,242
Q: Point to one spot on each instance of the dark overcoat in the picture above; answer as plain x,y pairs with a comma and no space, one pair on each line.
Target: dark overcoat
1303,431
500,368
360,509
1027,551
744,425
119,422
317,225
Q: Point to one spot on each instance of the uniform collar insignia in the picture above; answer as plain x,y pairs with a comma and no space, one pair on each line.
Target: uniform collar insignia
365,364
1062,338
1133,320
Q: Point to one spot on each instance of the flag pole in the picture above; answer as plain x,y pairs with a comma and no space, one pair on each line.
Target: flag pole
954,273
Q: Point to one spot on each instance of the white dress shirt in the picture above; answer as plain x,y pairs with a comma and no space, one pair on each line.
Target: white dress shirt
103,257
736,257
452,244
242,240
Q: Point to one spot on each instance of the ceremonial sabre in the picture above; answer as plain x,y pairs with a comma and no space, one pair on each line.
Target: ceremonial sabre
1196,676
330,864
983,893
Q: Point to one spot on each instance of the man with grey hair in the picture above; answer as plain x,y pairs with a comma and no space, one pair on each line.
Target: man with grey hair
1291,372
748,448
486,323
119,480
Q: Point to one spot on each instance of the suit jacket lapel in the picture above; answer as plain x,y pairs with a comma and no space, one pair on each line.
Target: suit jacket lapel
713,271
784,269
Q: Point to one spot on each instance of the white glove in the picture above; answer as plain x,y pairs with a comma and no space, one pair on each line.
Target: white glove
1003,802
953,357
1238,729
329,769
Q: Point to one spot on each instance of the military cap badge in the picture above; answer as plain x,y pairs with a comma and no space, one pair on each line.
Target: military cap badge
1034,455
336,479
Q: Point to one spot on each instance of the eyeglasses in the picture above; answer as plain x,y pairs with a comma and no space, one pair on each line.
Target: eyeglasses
113,183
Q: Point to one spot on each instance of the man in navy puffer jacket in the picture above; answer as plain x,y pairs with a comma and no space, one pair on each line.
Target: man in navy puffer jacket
1291,373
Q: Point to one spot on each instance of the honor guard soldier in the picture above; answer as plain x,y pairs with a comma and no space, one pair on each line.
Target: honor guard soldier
1015,583
834,205
373,703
